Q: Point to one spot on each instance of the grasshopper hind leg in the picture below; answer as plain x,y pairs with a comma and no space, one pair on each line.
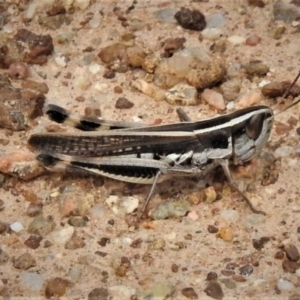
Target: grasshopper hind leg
224,164
158,174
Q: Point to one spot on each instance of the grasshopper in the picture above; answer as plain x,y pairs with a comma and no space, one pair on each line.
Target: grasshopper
142,154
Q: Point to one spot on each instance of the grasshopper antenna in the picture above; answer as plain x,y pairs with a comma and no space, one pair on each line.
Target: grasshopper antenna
287,92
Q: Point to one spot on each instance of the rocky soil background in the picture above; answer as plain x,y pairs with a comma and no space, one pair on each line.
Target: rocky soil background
72,235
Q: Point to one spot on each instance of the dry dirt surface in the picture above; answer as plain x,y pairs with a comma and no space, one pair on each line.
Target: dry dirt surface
72,235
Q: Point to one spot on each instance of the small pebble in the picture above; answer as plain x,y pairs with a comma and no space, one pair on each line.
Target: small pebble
246,270
211,33
226,233
18,70
229,283
4,257
230,215
253,40
32,280
283,151
258,244
56,287
165,15
238,278
122,207
190,19
212,229
258,3
189,293
109,74
136,244
193,215
118,89
216,20
213,98
123,103
95,68
210,194
174,268
290,266
41,226
182,94
34,209
24,262
157,292
278,32
254,219
103,241
157,244
279,255
292,252
257,68
82,83
135,55
77,222
99,293
61,236
98,211
214,290
75,272
227,273
16,226
285,285
122,292
211,276
75,242
236,39
61,61
33,241
170,209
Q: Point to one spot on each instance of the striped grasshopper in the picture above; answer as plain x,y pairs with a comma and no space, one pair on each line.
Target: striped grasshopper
136,153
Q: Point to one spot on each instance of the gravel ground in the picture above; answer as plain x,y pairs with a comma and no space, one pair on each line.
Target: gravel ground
72,235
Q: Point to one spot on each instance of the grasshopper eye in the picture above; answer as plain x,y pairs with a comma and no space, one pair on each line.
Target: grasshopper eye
254,126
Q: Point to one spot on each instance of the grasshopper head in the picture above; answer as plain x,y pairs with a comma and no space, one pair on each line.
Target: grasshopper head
251,132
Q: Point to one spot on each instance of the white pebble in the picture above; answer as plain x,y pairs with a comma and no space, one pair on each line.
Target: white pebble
81,4
122,292
61,236
182,94
60,61
94,23
32,280
126,240
81,82
236,39
75,272
283,151
297,272
249,98
230,105
211,33
230,215
121,207
16,226
263,83
98,211
213,98
292,162
101,86
95,68
284,285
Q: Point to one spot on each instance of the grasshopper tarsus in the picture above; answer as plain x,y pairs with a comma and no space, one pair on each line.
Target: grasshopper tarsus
224,163
183,117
